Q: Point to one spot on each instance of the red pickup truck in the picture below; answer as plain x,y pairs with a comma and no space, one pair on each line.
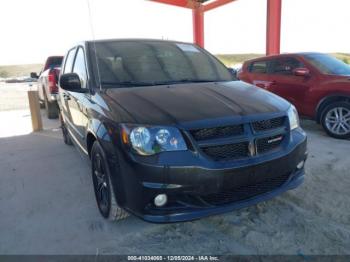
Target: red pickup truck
47,85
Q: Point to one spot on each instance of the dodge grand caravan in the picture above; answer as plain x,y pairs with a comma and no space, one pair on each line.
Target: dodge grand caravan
171,134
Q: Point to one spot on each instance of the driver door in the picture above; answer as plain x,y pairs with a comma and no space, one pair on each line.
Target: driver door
286,84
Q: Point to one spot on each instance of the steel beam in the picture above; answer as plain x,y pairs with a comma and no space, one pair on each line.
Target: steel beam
198,10
215,4
181,3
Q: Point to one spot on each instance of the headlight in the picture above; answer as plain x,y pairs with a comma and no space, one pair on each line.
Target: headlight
293,118
150,140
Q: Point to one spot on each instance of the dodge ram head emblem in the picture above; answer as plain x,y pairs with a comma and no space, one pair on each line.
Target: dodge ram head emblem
251,148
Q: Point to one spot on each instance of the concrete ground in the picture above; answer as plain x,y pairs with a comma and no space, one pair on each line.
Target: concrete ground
47,206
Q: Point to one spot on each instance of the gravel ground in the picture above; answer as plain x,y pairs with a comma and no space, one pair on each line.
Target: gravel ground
47,207
14,97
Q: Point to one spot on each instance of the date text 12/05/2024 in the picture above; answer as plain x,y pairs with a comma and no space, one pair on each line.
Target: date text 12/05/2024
173,258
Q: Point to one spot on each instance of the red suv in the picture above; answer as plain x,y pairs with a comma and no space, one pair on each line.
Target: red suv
317,84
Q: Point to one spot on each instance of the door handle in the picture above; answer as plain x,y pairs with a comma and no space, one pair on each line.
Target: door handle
261,85
66,96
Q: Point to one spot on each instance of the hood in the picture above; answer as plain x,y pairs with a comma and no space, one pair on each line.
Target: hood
181,103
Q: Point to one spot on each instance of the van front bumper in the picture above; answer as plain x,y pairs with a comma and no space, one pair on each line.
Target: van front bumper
198,188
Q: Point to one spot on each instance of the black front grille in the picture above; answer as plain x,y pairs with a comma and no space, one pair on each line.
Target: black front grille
267,144
227,152
268,124
217,132
239,193
234,149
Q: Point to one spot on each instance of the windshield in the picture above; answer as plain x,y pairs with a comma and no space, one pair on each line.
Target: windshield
135,63
328,64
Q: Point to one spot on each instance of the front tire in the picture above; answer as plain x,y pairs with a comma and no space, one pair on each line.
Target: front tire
101,178
335,120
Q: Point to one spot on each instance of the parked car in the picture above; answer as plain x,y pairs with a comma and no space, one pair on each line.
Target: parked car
13,81
171,135
236,69
47,85
317,84
22,79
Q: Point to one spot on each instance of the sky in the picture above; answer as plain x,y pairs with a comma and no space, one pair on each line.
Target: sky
31,30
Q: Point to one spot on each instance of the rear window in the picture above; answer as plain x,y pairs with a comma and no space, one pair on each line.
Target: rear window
53,62
259,67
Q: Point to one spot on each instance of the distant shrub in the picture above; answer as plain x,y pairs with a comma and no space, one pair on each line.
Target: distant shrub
346,61
4,74
234,59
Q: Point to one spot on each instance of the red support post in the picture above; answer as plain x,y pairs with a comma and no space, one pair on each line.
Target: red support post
273,27
198,10
198,26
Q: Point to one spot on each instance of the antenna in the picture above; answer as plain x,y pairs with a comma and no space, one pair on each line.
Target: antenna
94,44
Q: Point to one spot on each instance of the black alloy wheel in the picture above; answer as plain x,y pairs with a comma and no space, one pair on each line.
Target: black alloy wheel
101,185
104,194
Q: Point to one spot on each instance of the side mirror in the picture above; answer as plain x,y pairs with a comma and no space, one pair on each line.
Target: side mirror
71,82
232,71
34,75
301,72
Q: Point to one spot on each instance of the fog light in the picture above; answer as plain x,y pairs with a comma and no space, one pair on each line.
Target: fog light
160,200
301,164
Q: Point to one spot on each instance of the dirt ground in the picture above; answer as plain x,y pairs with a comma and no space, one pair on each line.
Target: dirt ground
47,207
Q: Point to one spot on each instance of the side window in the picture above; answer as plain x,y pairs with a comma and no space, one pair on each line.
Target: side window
80,66
259,67
69,61
285,66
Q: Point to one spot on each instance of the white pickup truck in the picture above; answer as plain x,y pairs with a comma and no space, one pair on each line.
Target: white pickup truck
47,85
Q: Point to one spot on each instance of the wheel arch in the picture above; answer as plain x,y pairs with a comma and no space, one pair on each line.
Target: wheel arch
90,139
101,132
326,101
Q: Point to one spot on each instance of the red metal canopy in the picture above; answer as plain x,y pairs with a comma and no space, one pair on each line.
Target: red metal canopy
199,7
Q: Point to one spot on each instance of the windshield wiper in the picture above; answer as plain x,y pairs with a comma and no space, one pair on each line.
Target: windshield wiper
173,82
127,83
